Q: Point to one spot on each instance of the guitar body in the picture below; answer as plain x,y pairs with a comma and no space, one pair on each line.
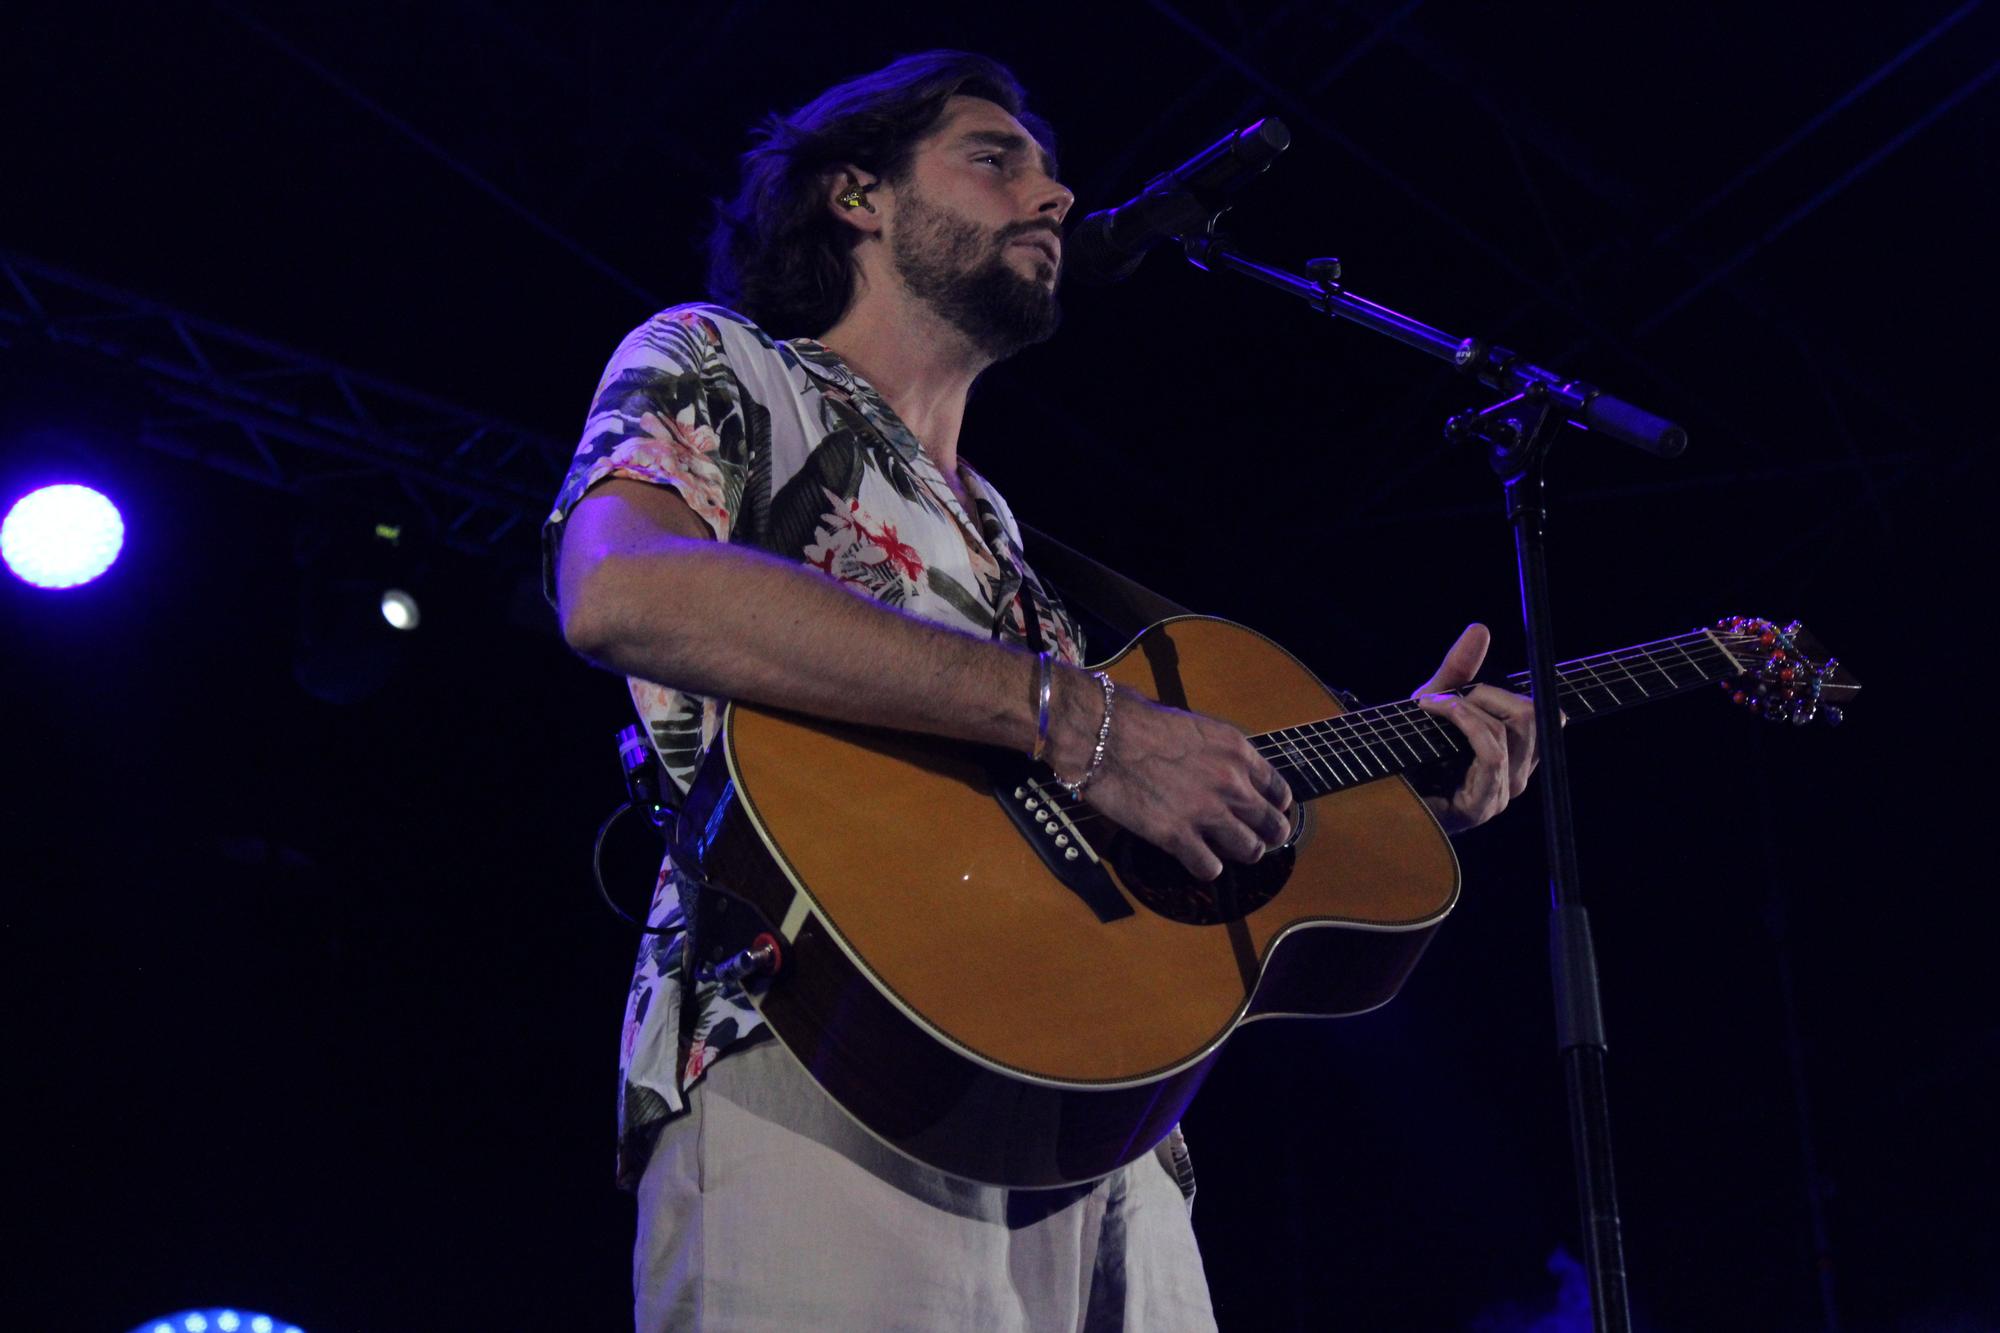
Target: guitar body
969,1008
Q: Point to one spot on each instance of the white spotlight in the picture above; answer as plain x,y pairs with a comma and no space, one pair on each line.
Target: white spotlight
400,609
60,536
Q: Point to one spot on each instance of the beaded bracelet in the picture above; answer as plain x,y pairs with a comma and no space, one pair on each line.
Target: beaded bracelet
1043,683
1075,788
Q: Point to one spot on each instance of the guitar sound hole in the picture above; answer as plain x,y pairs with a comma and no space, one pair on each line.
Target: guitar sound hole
1158,882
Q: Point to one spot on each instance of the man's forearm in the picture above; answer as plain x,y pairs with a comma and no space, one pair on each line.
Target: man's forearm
725,620
644,591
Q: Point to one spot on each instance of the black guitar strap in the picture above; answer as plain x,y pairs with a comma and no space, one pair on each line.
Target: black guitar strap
1121,606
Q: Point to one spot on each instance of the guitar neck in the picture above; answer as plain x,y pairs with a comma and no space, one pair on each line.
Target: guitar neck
1377,742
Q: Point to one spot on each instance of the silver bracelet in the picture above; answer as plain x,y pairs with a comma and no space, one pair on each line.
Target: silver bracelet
1043,684
1075,789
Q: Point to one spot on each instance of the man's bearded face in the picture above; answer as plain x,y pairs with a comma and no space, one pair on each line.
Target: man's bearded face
961,270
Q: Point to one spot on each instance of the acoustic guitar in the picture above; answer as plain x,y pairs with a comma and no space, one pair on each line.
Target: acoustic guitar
999,982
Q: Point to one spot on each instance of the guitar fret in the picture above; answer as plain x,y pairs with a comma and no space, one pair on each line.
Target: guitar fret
1633,676
1651,661
1328,762
1342,752
1390,734
1386,735
1319,759
1363,730
1624,664
1303,762
1610,702
1427,729
1288,761
1680,646
1676,651
1658,661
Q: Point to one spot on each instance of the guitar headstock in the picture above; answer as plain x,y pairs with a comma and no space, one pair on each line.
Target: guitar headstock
1789,677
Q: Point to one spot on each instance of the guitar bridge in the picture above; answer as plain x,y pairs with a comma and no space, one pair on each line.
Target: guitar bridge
1034,805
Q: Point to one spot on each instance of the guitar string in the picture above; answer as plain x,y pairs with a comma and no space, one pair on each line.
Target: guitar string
1407,720
1383,725
1655,657
1359,739
1310,736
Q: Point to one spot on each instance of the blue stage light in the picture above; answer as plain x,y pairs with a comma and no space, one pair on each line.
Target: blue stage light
216,1319
60,536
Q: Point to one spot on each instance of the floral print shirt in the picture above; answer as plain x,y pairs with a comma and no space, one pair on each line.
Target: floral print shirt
780,446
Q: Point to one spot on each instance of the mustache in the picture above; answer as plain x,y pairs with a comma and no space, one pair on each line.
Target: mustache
1017,230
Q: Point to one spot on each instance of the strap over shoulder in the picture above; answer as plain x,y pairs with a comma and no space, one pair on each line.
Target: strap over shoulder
1120,604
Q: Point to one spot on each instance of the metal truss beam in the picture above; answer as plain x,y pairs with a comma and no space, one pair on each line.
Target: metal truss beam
1394,27
436,150
1299,106
296,423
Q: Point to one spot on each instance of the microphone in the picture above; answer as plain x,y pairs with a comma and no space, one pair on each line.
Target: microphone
1108,245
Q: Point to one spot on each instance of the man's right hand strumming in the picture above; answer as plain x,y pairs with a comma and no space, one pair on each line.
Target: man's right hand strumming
1191,785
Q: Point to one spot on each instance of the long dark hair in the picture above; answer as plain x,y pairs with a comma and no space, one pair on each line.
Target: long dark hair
776,254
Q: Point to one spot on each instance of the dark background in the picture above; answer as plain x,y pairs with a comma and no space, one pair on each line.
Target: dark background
314,1008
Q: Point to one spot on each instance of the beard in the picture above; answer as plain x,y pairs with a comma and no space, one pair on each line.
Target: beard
961,271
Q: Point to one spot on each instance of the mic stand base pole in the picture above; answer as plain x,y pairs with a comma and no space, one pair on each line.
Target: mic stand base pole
1518,433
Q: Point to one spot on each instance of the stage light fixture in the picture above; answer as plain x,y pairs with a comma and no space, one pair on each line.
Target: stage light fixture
217,1319
400,610
61,536
359,602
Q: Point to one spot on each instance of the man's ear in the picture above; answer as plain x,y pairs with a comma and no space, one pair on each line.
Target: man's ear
847,194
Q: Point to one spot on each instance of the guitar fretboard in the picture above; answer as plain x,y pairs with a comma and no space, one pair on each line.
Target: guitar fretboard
1376,742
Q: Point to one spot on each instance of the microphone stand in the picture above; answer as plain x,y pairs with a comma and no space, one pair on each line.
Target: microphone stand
1518,430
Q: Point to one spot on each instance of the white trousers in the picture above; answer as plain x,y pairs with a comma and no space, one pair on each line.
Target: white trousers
765,1207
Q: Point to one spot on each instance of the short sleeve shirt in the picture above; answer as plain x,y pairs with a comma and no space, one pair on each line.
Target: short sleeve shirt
779,446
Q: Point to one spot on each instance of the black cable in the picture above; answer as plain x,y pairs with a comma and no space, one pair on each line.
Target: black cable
604,890
680,862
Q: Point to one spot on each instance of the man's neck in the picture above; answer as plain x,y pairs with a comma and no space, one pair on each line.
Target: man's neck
921,365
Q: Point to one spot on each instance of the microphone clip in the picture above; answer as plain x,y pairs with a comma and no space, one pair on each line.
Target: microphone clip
1183,205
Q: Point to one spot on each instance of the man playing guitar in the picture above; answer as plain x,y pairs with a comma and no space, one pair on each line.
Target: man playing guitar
789,523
